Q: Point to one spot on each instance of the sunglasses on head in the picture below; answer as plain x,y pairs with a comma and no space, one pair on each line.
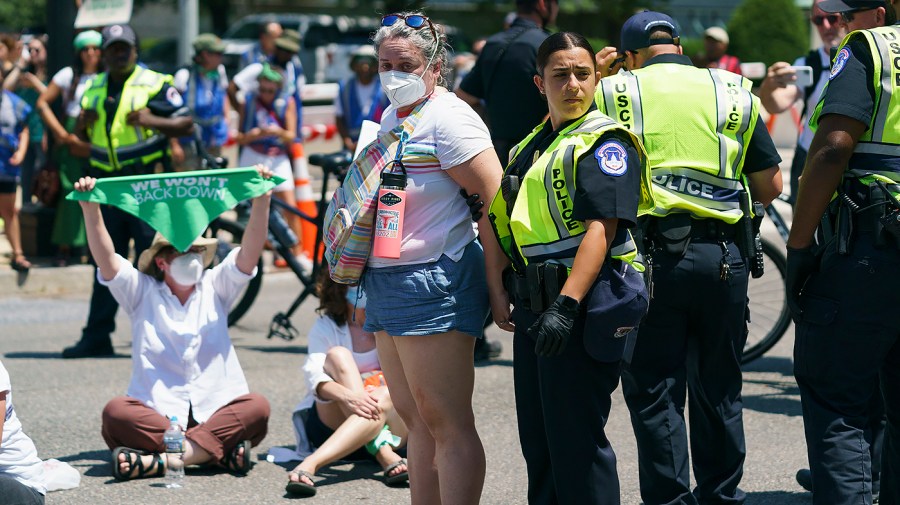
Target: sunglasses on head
414,21
820,20
848,16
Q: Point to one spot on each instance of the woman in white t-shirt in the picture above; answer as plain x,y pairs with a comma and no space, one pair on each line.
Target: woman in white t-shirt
427,307
21,470
347,407
70,152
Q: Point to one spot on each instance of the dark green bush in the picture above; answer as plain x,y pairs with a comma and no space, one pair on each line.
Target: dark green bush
768,31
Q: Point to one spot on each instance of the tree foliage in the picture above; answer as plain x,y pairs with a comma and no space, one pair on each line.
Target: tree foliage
768,31
16,15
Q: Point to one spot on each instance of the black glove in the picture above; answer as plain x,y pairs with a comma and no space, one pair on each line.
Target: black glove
474,202
551,331
801,264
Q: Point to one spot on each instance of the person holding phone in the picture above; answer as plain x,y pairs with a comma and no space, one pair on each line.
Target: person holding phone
804,79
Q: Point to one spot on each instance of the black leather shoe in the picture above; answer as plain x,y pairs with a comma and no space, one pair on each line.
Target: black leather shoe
487,349
804,478
82,350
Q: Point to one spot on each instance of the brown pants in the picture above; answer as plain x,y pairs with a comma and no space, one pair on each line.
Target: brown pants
128,422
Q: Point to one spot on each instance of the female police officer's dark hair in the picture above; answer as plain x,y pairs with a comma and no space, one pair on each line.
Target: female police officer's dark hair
561,41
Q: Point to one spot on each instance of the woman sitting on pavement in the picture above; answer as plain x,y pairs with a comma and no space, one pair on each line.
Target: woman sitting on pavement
347,404
183,362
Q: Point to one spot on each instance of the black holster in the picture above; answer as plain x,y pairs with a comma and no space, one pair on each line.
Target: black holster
539,287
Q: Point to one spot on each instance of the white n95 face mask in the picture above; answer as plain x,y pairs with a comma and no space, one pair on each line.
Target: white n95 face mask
402,88
187,269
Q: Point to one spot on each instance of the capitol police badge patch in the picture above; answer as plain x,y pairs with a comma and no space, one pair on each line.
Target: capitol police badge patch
612,158
839,61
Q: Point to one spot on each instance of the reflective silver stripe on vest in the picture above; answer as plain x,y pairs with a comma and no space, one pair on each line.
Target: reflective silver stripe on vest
634,96
141,149
534,250
100,155
722,100
876,148
592,125
551,199
894,176
709,191
879,125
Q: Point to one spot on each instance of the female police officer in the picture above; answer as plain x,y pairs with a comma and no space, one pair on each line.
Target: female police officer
572,189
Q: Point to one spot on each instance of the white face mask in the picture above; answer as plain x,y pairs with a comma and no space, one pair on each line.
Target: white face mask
187,269
402,88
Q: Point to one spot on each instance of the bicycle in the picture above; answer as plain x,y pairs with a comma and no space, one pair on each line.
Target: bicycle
767,295
230,231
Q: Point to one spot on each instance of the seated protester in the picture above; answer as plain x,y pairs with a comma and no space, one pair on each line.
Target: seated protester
179,312
21,471
347,404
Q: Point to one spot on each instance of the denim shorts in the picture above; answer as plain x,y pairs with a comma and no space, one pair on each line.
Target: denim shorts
429,298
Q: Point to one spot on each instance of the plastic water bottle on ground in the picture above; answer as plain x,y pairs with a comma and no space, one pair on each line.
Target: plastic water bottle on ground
174,442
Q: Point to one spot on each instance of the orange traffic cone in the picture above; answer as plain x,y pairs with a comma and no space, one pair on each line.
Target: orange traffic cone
305,201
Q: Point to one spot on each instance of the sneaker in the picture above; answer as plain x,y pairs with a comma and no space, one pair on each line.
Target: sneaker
82,350
305,263
487,349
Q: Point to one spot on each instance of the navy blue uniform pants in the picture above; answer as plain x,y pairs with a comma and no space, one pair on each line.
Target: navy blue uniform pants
690,343
847,343
122,227
562,406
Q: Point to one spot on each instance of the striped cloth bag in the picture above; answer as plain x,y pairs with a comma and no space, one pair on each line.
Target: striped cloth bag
350,216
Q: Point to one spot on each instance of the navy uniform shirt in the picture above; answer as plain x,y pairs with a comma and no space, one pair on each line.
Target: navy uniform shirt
851,73
603,190
504,79
761,152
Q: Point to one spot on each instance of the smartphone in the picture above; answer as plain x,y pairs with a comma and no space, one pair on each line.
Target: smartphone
804,76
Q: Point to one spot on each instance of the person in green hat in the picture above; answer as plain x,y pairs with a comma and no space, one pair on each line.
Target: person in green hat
286,62
70,152
204,87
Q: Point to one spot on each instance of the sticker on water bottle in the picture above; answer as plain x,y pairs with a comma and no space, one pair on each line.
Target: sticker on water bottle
387,223
176,445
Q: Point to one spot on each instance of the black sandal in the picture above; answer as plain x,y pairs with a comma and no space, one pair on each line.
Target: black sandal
300,488
236,463
156,469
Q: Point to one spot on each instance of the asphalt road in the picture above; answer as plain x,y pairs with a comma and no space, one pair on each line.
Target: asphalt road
59,403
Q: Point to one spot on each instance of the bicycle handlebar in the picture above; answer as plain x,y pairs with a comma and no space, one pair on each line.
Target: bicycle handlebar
334,163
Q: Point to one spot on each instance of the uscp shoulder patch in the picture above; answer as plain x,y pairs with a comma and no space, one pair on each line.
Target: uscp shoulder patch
839,62
612,158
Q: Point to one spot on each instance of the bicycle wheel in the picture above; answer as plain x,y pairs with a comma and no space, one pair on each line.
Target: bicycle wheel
229,234
768,316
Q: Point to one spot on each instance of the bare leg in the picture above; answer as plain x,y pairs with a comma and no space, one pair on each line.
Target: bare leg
350,431
442,390
423,474
10,216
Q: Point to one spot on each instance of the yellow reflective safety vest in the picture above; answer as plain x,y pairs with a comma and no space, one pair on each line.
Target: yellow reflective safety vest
541,221
696,124
877,153
124,144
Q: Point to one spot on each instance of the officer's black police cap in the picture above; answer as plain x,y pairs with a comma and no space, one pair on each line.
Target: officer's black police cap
831,6
637,29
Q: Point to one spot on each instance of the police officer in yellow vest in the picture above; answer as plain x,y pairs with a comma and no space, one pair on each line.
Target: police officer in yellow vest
843,293
128,113
706,148
570,193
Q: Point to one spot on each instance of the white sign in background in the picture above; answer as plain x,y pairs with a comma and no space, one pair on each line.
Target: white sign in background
95,13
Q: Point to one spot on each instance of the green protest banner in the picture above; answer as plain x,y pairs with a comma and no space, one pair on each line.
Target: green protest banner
181,205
